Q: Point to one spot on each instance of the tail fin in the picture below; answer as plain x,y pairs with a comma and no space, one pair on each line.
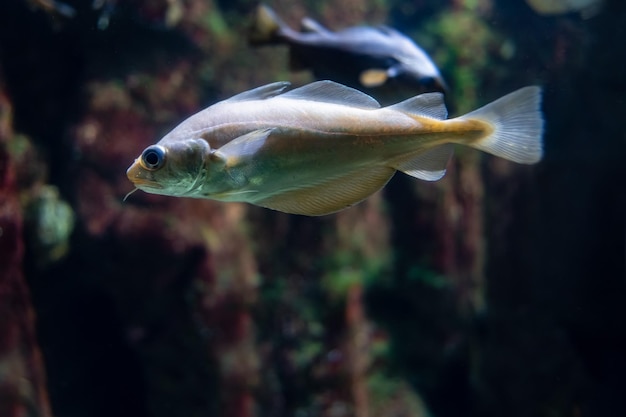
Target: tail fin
517,126
266,27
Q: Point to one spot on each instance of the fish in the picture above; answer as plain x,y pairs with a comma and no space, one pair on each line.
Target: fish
61,9
587,8
106,8
363,57
323,147
55,8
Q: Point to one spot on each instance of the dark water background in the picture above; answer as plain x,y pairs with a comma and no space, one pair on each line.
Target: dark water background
498,291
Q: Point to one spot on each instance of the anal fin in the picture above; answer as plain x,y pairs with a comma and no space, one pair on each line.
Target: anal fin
331,196
429,165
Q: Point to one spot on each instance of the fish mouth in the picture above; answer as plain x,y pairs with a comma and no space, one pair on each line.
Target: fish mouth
137,176
143,184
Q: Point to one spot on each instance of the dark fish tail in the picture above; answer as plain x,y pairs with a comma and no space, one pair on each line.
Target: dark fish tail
266,27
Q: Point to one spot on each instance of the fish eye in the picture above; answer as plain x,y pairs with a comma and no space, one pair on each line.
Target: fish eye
153,158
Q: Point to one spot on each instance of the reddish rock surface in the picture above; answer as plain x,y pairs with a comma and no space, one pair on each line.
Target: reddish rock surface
23,389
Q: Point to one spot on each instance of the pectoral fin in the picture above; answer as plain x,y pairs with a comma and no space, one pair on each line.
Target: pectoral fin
330,196
242,147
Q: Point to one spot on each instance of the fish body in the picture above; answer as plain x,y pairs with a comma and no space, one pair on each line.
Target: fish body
361,57
323,147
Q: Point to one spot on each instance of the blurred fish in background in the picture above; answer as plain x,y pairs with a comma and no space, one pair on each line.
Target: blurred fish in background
54,8
59,10
105,8
362,57
586,8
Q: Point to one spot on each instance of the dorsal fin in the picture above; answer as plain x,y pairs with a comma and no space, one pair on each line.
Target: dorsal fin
394,34
261,93
332,92
427,104
309,25
387,30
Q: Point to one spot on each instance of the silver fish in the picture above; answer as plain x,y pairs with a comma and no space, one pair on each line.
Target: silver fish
55,8
587,8
323,147
362,57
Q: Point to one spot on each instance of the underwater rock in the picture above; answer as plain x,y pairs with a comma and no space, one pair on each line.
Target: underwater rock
163,252
48,219
22,376
481,298
49,224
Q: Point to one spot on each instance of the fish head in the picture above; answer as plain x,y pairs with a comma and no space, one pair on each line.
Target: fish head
174,169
